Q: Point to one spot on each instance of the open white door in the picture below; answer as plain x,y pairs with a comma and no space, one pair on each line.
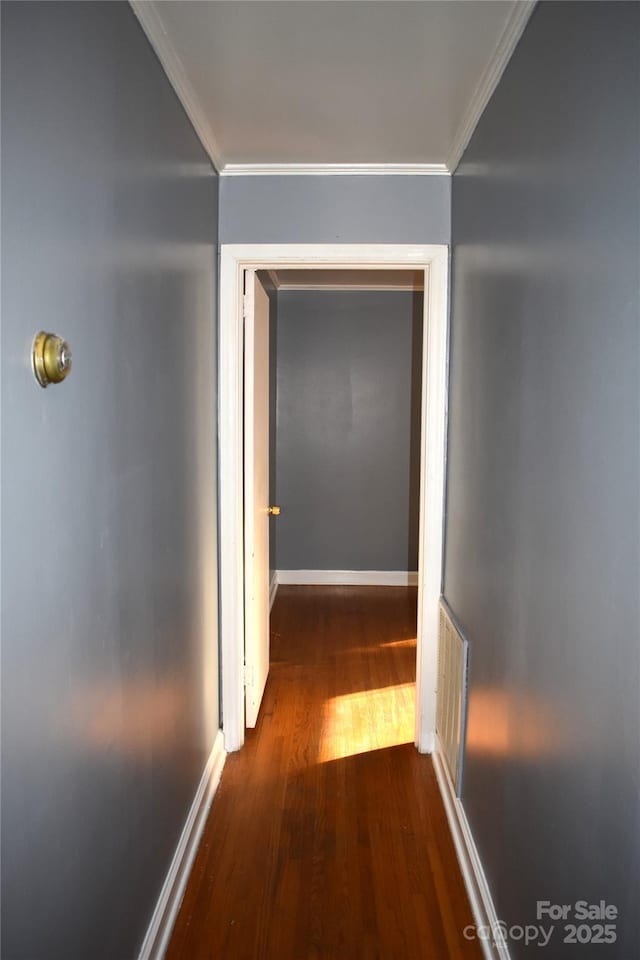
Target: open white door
256,493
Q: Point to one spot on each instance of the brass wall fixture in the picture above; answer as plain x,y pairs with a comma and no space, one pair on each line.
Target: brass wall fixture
273,511
50,358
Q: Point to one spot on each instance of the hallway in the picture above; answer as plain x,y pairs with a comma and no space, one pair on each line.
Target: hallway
327,836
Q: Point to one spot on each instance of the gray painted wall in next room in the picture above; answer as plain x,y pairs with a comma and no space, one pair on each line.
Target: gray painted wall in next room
335,209
348,429
543,512
109,579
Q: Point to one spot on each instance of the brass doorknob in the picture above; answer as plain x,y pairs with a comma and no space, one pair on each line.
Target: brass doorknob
50,358
273,511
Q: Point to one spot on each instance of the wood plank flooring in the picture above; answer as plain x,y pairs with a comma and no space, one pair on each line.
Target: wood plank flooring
327,837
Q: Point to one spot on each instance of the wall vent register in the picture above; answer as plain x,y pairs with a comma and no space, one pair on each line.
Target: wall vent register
451,703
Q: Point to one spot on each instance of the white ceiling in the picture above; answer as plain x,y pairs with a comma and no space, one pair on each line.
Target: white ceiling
343,82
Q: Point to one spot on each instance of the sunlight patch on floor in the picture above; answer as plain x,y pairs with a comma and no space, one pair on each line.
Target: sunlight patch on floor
383,646
404,642
367,720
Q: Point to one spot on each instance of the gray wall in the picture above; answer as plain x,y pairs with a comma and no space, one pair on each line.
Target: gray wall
109,618
348,429
543,512
328,209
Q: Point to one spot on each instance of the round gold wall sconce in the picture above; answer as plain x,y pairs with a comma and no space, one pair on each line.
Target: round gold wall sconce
50,358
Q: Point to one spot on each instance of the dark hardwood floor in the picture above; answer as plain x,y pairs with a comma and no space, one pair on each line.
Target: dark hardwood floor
327,837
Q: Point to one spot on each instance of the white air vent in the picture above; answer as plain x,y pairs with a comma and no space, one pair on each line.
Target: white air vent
451,716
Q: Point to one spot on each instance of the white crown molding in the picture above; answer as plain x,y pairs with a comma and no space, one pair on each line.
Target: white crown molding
334,170
490,79
151,23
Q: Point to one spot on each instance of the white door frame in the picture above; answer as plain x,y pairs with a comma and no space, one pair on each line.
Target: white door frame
234,260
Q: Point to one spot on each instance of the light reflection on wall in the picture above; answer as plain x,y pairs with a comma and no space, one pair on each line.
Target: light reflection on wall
204,519
130,716
513,724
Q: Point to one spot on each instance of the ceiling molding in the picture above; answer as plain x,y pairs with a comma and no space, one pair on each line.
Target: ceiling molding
151,22
490,79
333,169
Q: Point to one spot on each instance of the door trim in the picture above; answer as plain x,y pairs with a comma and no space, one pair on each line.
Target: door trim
234,260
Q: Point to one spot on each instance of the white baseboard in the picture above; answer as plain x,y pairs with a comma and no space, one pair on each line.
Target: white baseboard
361,578
273,588
158,934
482,907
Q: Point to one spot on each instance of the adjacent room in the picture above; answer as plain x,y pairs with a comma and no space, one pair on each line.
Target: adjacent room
346,392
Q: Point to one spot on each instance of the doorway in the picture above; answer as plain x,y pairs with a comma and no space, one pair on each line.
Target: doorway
432,261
